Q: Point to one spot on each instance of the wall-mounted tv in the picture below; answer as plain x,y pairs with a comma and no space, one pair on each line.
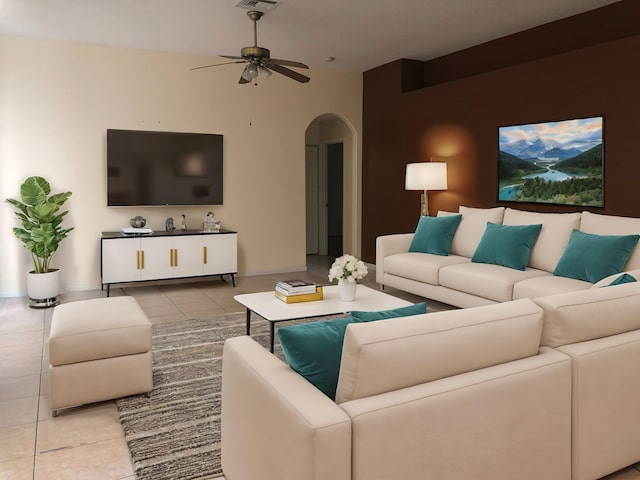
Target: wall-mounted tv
146,168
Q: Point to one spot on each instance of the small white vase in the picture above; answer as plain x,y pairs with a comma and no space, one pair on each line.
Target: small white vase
347,290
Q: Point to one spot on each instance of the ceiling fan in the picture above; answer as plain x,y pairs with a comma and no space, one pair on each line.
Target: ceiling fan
259,61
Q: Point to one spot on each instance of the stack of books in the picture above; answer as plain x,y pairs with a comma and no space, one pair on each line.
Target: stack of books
293,291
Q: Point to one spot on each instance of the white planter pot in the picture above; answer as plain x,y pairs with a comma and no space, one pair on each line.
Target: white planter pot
43,288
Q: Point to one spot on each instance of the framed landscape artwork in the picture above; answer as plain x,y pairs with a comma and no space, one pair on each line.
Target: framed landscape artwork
554,162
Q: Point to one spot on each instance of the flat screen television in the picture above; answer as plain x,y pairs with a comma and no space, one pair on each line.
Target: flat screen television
163,168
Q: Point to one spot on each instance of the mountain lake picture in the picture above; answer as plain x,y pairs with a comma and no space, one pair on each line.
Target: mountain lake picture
553,162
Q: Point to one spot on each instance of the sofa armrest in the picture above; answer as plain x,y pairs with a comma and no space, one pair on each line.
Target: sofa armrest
606,391
389,245
607,280
275,424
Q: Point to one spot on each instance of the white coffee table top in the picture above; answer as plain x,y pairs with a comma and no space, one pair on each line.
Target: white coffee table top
269,307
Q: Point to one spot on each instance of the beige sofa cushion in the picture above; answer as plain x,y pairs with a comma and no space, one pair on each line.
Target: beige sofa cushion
485,280
422,267
380,357
589,314
553,238
98,328
613,225
472,226
547,285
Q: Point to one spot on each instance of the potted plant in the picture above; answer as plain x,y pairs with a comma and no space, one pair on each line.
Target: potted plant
41,233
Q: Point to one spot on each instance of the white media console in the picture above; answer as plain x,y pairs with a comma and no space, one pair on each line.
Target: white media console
164,255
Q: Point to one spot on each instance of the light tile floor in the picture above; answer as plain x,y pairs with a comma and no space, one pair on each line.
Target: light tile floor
87,442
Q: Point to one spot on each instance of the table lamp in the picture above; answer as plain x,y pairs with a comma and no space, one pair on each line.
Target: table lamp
426,176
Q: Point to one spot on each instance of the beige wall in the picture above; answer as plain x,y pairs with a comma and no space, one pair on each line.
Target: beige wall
57,100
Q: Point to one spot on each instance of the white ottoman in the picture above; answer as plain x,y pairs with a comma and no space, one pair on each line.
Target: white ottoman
98,350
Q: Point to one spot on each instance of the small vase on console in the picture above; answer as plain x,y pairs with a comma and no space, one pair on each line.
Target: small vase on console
347,290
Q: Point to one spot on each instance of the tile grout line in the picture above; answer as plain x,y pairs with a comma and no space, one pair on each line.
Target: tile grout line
35,439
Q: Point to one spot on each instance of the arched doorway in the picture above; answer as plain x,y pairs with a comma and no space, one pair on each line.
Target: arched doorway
332,191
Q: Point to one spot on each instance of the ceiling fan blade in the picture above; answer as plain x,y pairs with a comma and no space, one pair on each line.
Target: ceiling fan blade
288,73
215,65
288,63
233,57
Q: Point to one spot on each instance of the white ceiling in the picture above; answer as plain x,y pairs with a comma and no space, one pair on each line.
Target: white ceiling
360,34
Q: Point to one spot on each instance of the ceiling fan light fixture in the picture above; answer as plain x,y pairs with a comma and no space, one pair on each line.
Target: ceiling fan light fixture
265,72
250,72
258,58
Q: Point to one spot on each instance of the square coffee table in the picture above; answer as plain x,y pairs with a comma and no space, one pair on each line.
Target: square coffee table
273,310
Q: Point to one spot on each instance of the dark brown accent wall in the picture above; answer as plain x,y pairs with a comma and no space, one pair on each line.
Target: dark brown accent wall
457,120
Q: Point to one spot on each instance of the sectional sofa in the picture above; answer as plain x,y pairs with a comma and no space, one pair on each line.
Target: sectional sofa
538,377
547,388
456,280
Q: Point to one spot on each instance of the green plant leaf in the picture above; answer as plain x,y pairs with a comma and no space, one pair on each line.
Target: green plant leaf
35,190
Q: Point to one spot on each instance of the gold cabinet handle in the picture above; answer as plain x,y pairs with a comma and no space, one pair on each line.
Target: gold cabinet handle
205,254
171,257
175,257
138,259
142,259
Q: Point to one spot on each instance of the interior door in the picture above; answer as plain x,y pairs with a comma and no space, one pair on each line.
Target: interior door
334,199
312,167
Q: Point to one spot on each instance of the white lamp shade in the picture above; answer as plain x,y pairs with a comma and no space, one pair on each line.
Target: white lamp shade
426,176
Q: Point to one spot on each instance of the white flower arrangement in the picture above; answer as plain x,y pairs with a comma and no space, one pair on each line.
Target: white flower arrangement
347,267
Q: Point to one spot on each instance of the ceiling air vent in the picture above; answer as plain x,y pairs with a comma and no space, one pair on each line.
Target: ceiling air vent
262,5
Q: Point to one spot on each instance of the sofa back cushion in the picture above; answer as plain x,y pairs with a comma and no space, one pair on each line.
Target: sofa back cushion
589,314
471,227
613,225
314,349
553,238
379,357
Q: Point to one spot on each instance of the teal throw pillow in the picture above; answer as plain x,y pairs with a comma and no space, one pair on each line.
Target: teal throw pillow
416,309
314,349
624,278
435,234
591,257
507,245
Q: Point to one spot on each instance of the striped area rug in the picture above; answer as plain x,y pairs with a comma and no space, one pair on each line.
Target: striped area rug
175,433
